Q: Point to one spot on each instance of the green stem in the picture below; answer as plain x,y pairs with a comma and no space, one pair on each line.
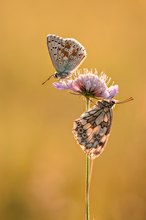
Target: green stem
87,174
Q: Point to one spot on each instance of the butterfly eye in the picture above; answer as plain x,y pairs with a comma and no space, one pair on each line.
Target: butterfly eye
113,102
56,75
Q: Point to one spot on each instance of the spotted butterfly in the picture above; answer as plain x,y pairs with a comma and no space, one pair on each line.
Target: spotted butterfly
66,54
92,128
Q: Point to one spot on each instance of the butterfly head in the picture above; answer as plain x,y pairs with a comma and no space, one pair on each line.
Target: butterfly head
61,75
111,103
107,103
56,76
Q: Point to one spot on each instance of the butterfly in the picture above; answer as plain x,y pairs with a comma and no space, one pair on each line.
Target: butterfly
92,128
66,54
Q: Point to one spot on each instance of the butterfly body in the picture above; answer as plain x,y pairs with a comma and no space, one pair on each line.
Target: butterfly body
92,129
66,54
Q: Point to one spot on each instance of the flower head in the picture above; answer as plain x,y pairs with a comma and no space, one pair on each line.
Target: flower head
89,84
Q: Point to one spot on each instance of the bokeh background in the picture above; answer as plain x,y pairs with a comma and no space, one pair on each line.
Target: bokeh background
42,169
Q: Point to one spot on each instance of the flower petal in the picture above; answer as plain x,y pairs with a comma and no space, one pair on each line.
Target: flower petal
113,90
63,85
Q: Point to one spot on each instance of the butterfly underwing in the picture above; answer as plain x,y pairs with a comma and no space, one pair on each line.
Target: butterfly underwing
92,128
66,54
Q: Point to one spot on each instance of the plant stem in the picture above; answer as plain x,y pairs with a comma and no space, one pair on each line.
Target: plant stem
87,174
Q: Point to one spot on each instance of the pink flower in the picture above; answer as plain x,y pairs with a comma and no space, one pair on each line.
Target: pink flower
89,84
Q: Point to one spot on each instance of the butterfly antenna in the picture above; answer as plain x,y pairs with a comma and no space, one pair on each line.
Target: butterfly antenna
127,100
47,79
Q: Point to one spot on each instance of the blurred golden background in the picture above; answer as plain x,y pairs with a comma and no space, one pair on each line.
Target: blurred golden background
42,169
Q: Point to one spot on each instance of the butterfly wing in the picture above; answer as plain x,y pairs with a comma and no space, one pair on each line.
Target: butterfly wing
55,43
76,54
92,129
66,54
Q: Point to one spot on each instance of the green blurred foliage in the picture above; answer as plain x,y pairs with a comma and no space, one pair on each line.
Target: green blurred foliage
42,169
